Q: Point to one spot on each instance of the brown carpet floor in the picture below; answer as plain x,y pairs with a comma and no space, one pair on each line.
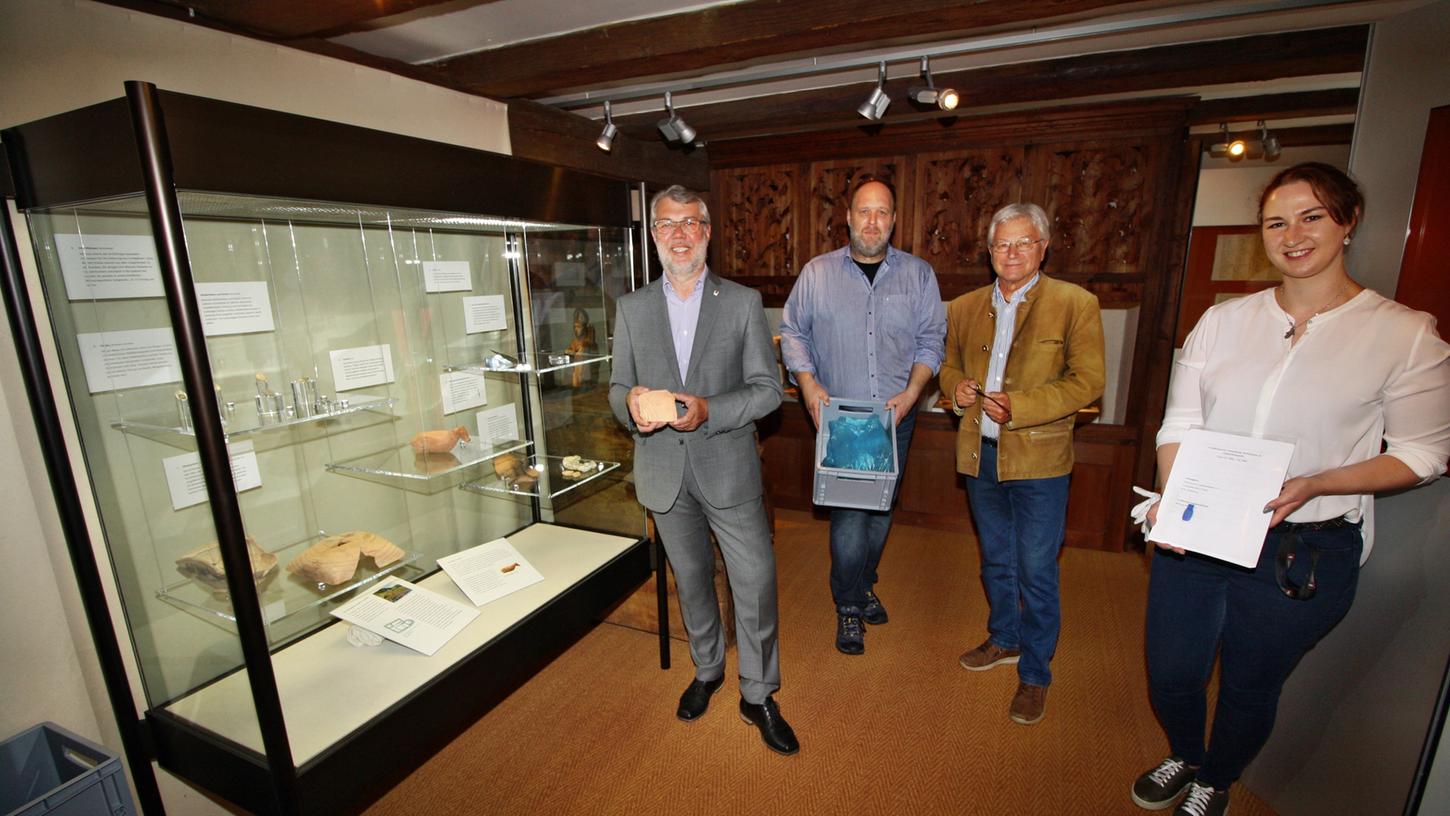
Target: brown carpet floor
901,729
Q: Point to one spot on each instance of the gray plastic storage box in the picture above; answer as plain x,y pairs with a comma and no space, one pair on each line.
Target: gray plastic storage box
48,771
856,489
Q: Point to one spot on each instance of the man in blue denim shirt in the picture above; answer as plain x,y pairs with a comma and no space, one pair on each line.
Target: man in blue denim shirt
864,322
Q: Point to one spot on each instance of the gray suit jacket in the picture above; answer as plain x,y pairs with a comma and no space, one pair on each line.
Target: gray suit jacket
732,364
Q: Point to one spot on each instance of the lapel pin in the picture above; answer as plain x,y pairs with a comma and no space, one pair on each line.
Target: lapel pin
715,292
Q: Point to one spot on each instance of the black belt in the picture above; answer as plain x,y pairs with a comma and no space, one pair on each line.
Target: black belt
989,441
1312,526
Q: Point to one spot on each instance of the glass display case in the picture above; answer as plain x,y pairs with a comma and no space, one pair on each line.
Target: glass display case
284,401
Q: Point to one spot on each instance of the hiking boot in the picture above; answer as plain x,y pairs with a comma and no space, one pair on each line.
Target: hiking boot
850,634
988,655
873,612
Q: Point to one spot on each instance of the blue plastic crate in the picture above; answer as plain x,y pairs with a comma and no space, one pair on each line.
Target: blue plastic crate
48,771
856,489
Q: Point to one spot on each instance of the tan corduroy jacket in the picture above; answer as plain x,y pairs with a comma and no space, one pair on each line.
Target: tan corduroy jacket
1055,368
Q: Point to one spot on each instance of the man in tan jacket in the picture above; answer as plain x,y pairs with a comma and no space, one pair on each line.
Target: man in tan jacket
1023,356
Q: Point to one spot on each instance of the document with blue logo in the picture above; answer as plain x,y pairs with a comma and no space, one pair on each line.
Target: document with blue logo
1214,501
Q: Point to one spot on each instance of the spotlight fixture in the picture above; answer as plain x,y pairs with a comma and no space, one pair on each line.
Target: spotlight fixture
1229,148
1265,147
877,100
673,127
606,136
930,94
1270,142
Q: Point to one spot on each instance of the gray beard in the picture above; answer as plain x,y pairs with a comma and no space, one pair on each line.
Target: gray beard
865,250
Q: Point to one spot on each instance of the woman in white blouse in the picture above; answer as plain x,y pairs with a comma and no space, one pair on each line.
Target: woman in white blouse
1340,370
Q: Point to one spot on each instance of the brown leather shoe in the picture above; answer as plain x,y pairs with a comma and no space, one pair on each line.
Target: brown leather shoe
988,655
1029,704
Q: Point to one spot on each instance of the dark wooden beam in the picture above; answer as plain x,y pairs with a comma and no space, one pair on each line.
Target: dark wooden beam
1244,59
294,19
747,33
550,135
1332,102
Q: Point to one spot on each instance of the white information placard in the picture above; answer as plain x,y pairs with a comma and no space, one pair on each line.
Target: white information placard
187,484
407,614
361,366
447,276
499,424
238,307
461,390
489,571
126,359
1214,501
106,267
483,313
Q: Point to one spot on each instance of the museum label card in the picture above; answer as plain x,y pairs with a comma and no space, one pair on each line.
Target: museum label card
489,571
1214,501
362,366
462,389
499,424
447,276
126,359
483,314
187,484
237,307
407,614
106,267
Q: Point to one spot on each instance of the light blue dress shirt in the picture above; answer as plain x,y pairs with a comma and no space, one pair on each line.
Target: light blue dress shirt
684,317
1002,345
861,339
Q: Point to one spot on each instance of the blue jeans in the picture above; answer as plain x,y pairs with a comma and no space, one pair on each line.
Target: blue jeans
1199,607
858,537
1020,524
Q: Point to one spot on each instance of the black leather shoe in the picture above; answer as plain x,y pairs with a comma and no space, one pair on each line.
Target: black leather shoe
697,697
873,612
774,730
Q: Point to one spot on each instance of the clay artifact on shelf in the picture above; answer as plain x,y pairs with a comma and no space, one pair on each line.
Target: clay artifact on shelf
334,559
204,565
511,471
575,467
440,441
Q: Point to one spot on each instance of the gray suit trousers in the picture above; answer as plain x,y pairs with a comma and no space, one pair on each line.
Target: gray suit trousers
744,535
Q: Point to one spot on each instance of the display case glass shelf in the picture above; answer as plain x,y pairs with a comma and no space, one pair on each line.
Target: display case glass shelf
543,477
533,363
360,411
427,472
282,594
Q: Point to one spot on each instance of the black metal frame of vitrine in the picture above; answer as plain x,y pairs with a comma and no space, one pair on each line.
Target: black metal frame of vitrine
157,142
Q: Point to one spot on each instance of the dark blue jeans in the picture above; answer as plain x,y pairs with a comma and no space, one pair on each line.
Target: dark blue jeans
858,537
1020,524
1200,607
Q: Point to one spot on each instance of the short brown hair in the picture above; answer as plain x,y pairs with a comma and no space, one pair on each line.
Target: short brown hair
1337,191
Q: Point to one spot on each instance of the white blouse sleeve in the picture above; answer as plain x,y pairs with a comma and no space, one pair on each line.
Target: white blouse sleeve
1185,403
1417,406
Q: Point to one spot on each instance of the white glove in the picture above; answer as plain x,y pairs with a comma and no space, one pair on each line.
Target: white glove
1140,510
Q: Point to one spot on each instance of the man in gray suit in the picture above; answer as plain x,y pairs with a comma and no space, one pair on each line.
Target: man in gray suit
706,340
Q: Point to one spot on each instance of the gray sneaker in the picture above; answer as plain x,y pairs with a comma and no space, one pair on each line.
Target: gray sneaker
1203,801
1161,787
850,634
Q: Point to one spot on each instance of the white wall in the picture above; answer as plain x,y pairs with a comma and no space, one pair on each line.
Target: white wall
1354,716
57,55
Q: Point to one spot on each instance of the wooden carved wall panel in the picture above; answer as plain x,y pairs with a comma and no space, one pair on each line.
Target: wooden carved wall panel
956,195
831,183
1098,198
755,226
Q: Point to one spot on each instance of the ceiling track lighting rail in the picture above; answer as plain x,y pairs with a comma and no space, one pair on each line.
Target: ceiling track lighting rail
1233,148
